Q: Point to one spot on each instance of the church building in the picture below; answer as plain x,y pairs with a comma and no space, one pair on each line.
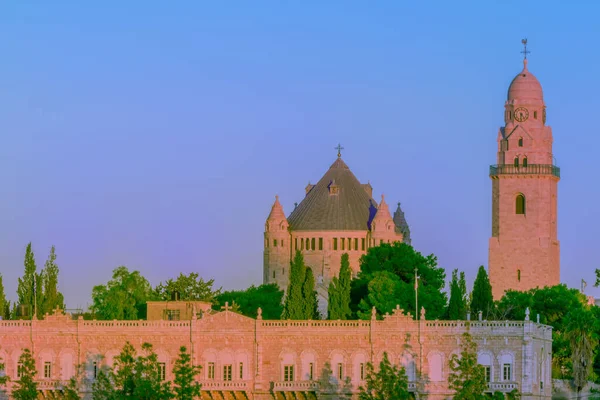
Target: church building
337,215
524,248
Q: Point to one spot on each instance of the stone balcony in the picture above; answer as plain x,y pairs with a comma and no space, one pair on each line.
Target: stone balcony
295,386
530,169
503,386
210,384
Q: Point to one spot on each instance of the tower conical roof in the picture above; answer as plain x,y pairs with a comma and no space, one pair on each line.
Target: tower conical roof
383,212
402,225
337,202
276,213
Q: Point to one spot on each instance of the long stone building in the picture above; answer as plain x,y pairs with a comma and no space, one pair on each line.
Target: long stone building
244,358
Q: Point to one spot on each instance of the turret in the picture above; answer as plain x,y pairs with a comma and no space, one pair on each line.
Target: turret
402,225
383,229
277,246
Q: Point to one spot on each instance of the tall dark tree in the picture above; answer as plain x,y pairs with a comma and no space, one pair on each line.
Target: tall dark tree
27,287
456,305
482,299
123,297
26,385
338,305
581,329
309,294
149,384
103,387
462,284
397,262
186,387
189,287
467,377
293,307
3,302
268,297
52,297
389,382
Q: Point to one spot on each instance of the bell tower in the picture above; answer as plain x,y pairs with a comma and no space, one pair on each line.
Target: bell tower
524,249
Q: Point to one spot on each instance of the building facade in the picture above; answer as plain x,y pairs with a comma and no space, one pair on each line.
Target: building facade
524,247
337,215
244,358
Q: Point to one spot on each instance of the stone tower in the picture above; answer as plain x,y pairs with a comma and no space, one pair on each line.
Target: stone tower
524,248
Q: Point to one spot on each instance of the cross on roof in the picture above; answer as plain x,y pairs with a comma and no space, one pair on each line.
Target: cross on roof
226,307
525,51
339,148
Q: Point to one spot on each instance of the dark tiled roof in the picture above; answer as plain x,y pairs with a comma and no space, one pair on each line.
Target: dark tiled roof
352,208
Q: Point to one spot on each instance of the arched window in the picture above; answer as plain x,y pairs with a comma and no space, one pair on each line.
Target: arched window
520,142
307,244
525,161
312,244
520,204
535,115
516,161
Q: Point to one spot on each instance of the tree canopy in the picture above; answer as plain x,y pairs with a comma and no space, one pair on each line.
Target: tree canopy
123,297
338,304
26,385
301,298
189,287
268,297
391,268
457,306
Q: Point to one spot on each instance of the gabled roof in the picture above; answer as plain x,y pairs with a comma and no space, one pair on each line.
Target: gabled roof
337,202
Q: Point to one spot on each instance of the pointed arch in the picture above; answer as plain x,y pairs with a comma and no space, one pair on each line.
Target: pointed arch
525,161
516,161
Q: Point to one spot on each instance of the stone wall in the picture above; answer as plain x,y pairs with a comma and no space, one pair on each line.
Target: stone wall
263,359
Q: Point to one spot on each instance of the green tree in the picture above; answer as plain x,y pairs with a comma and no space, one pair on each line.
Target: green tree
400,259
4,304
268,297
338,304
467,377
26,386
293,307
71,391
581,328
384,291
103,387
3,377
482,299
123,297
52,297
27,286
189,287
462,284
186,387
389,382
457,308
309,295
148,383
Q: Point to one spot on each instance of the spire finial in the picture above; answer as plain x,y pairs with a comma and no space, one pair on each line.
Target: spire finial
276,197
525,51
339,148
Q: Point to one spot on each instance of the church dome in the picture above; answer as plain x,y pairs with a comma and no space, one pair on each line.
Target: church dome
525,86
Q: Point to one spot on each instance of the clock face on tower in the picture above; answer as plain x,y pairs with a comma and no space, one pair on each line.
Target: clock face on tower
521,114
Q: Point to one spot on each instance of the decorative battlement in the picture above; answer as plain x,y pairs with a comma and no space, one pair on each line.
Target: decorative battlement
530,169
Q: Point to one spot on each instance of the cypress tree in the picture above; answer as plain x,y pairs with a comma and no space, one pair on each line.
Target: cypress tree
3,301
25,288
333,299
455,304
482,299
462,283
294,301
52,297
344,288
186,386
310,296
26,385
338,306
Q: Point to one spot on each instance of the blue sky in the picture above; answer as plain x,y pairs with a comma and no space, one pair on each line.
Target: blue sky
155,135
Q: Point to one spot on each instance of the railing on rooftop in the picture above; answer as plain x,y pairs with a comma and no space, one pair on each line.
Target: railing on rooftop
530,169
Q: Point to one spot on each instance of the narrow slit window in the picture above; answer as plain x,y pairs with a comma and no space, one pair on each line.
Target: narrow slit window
320,243
520,142
519,275
516,161
362,244
355,243
520,204
335,243
312,244
525,162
